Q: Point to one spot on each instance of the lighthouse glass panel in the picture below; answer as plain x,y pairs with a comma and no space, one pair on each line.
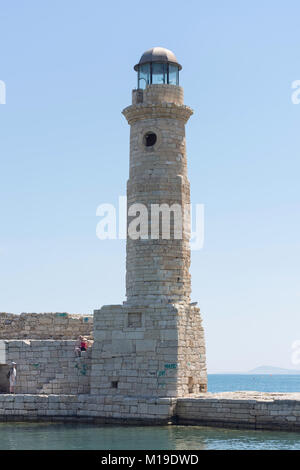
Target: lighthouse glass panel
173,75
159,73
143,76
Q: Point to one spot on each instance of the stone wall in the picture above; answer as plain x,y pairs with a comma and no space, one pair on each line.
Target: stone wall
249,410
45,325
86,408
192,373
4,383
158,93
47,366
157,351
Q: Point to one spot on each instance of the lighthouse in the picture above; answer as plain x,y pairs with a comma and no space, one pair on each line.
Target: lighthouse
157,266
153,344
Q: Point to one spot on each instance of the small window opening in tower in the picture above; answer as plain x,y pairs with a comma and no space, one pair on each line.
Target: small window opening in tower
149,139
114,384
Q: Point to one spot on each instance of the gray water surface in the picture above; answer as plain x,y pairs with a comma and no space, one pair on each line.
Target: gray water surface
69,436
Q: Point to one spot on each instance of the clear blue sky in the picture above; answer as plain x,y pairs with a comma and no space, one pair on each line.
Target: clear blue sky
64,150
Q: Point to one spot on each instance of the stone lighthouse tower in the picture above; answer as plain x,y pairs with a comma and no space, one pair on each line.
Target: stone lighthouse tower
153,344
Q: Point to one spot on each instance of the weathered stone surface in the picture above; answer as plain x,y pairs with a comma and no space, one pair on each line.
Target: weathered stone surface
251,410
207,409
45,325
156,345
47,366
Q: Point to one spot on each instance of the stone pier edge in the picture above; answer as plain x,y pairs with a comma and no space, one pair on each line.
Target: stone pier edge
237,410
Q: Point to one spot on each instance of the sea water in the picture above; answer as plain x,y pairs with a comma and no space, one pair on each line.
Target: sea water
60,436
258,383
68,436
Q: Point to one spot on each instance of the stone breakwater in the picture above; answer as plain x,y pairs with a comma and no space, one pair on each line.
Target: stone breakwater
87,407
58,325
247,410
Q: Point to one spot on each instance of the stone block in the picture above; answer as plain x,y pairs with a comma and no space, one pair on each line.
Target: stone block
145,345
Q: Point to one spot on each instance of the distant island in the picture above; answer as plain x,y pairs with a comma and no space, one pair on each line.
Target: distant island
273,370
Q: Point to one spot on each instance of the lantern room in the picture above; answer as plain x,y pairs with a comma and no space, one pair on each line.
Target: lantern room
157,66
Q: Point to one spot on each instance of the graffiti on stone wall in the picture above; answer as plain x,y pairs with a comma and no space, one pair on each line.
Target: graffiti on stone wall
170,366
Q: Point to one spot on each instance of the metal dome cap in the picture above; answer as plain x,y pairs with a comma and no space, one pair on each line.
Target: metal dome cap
158,54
